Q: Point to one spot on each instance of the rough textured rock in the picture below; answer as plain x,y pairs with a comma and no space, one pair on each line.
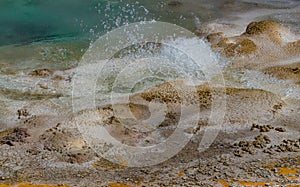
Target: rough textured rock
269,28
238,47
262,41
285,72
41,72
68,144
13,135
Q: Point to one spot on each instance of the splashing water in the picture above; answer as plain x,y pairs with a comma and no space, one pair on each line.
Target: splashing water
172,53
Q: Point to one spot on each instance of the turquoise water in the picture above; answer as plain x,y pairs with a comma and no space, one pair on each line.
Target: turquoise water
56,33
26,21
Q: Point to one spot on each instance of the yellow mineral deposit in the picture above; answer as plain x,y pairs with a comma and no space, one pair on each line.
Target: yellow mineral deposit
118,185
290,173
